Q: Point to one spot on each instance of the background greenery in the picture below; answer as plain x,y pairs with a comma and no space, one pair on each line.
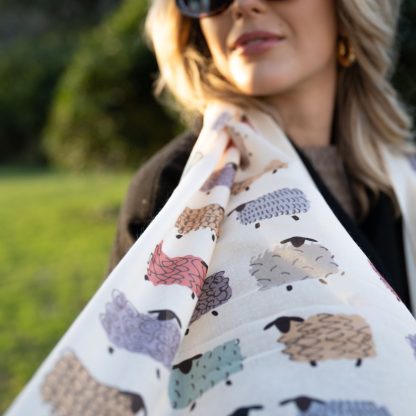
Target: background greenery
75,94
54,250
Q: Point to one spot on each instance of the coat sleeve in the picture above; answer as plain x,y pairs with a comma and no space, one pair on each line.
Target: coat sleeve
149,189
135,213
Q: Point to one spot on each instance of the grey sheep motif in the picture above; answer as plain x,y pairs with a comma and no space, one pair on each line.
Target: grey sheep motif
215,292
308,406
72,391
284,201
155,334
325,337
295,259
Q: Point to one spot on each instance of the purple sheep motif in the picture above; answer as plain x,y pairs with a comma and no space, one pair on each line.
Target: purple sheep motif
73,391
215,292
412,341
296,259
325,337
191,378
284,201
155,334
221,177
309,406
385,282
412,160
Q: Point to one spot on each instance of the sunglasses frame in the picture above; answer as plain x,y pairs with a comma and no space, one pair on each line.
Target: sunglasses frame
182,7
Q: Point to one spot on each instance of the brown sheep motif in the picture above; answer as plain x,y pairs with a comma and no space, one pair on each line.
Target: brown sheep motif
244,185
296,259
209,216
72,391
325,337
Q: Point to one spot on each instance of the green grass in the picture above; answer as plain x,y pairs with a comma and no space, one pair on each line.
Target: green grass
56,232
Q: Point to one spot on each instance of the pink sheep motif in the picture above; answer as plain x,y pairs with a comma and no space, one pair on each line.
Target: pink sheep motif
188,271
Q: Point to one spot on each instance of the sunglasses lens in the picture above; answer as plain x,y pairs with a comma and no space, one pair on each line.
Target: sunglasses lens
200,8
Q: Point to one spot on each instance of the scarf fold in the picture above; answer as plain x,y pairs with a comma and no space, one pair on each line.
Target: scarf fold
244,296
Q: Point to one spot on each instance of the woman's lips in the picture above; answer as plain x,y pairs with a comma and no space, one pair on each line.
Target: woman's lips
257,46
256,42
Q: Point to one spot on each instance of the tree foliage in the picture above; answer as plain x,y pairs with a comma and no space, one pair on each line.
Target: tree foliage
104,114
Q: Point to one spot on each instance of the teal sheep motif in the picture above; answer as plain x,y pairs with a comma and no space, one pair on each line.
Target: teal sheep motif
191,378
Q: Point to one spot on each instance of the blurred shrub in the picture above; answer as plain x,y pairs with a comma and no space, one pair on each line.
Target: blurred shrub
104,114
404,78
28,73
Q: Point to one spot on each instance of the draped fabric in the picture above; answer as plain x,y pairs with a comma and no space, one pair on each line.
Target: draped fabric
244,296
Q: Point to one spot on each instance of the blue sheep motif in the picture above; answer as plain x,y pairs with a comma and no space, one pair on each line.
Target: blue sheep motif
191,378
284,201
308,406
157,336
412,341
246,411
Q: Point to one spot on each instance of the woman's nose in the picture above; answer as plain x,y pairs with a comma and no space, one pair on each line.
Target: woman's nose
247,7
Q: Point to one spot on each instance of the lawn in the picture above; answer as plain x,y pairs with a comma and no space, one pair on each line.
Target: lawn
56,232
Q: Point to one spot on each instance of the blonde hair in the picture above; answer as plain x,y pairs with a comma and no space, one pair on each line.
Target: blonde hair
367,109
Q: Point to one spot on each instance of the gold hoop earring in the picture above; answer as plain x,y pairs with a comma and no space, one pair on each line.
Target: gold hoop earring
346,55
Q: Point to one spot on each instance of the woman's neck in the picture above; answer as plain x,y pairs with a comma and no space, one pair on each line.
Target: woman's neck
307,112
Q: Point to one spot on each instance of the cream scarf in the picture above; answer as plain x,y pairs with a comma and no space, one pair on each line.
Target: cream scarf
245,296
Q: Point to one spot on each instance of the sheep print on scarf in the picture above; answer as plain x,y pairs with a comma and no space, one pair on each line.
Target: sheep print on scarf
244,296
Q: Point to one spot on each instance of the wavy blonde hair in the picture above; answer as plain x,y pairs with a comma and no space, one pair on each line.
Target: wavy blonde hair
368,109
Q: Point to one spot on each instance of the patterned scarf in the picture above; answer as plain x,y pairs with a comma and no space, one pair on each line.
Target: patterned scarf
245,296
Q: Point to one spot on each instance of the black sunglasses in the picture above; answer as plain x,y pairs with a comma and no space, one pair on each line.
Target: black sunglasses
202,8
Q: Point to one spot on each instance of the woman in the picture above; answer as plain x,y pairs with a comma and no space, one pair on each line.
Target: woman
324,75
252,242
